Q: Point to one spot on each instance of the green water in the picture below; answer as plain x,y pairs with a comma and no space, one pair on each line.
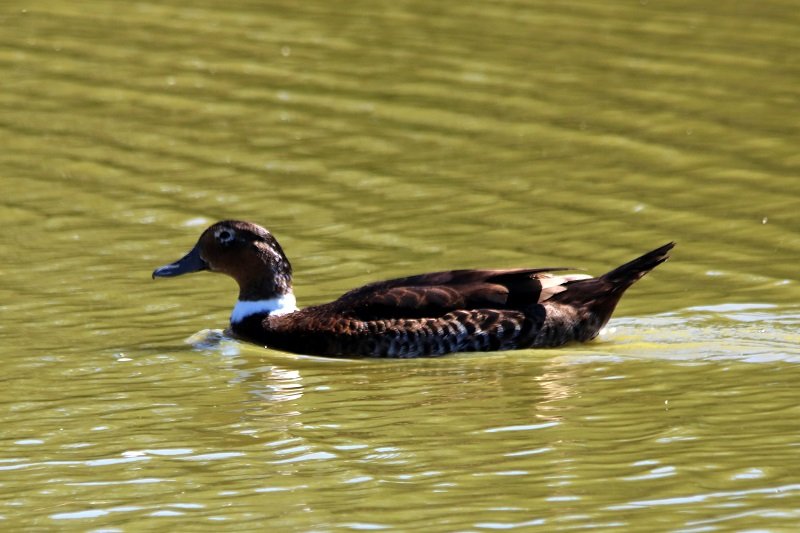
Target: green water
378,140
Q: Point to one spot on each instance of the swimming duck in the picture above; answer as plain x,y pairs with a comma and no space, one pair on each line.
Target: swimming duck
424,315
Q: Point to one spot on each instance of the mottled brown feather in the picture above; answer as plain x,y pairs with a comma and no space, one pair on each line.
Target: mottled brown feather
434,294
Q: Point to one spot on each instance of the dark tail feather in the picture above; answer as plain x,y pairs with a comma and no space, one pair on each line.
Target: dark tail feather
626,275
596,298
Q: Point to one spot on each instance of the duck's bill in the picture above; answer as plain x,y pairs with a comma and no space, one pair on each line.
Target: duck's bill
191,262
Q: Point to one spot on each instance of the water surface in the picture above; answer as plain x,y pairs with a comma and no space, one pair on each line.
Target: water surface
380,140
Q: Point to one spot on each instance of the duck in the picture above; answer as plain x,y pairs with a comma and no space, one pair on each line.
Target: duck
423,315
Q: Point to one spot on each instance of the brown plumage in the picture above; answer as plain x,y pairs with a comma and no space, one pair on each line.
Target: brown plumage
425,315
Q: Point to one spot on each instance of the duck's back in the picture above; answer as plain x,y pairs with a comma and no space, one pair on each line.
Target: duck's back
426,315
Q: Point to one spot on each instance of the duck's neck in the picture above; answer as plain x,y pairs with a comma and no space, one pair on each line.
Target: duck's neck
275,306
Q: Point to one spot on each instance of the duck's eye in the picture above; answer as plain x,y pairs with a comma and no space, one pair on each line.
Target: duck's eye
224,236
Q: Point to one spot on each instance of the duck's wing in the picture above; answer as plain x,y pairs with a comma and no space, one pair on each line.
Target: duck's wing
438,293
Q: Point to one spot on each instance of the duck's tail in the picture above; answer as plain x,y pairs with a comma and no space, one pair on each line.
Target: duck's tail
598,297
626,275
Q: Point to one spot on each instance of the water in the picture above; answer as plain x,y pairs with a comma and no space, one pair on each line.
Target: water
378,141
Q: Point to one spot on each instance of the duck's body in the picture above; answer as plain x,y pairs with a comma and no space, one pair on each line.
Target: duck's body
426,315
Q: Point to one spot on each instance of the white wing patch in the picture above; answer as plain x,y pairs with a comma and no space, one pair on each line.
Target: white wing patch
552,285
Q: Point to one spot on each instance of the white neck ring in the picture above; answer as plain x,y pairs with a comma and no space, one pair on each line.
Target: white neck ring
280,305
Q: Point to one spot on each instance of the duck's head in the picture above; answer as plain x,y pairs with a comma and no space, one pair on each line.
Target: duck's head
246,252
